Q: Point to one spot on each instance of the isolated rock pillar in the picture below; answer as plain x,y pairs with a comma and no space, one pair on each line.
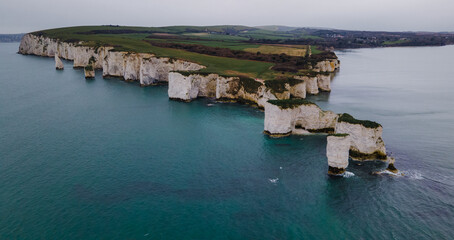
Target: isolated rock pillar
337,151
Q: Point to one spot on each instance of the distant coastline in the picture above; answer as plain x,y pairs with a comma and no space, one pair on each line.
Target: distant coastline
11,37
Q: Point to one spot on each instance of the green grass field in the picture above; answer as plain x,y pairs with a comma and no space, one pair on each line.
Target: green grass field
390,43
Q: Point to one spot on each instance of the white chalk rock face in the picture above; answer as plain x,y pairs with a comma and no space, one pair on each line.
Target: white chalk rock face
311,84
148,72
263,99
337,151
311,118
132,63
364,140
35,45
58,63
182,87
324,82
227,87
114,64
298,90
189,87
307,117
278,121
327,66
154,70
82,56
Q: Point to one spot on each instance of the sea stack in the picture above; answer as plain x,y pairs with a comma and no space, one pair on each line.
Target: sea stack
349,137
58,63
391,167
337,152
89,70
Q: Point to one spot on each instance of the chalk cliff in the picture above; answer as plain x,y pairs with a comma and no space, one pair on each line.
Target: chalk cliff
286,111
297,117
145,68
187,86
329,65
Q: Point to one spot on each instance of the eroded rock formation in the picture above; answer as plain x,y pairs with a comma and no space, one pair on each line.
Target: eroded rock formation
366,137
337,152
58,63
298,116
187,86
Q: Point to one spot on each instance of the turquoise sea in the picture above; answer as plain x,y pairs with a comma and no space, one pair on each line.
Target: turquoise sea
106,159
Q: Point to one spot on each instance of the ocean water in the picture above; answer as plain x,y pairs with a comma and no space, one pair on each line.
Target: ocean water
106,159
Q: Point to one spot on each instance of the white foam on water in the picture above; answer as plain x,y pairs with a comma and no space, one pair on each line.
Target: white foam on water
387,172
273,180
210,104
413,174
348,174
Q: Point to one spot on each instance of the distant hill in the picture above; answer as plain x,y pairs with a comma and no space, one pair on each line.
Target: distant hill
323,38
11,37
277,28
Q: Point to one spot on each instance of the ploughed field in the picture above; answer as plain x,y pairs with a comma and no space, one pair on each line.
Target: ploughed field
224,50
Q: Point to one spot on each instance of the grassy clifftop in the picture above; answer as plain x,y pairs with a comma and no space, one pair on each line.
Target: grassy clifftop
290,103
226,50
350,119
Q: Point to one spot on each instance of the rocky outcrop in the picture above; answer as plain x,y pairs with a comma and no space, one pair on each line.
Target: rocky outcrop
391,166
186,86
311,84
145,68
297,116
337,152
366,137
48,47
58,63
142,67
317,82
189,86
285,88
89,71
329,65
324,82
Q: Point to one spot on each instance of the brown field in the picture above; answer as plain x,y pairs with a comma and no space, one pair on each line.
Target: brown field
299,51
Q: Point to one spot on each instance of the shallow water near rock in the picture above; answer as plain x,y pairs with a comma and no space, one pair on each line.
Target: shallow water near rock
106,159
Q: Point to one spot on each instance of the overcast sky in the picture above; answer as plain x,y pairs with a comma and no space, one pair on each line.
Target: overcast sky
392,15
